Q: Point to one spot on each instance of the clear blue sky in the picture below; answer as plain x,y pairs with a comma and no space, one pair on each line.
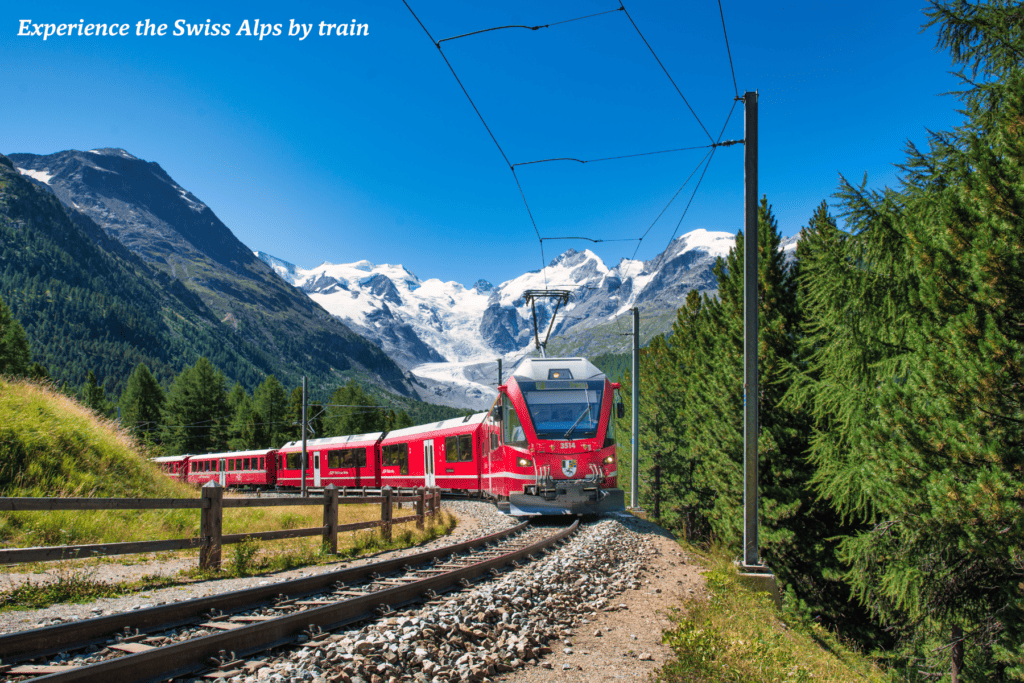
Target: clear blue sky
364,147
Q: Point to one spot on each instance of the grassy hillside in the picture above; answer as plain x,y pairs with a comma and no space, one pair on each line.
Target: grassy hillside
50,445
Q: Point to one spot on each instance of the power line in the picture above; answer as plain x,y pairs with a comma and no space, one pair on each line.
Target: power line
705,161
728,51
531,28
624,156
665,70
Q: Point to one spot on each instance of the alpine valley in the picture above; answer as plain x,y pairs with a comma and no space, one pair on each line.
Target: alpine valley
450,336
108,262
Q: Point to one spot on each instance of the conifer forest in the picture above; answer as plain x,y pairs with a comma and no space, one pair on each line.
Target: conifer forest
891,362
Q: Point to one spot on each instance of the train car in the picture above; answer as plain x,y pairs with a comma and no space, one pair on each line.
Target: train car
174,466
446,454
249,469
547,446
340,460
550,442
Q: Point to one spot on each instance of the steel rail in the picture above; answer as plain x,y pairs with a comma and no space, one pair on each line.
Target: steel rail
194,655
23,645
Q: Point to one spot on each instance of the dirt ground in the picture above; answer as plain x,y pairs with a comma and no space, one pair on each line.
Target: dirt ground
624,643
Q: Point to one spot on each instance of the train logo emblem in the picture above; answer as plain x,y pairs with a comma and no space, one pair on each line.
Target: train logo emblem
569,468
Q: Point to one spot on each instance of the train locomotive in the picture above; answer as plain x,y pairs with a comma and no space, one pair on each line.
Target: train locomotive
546,446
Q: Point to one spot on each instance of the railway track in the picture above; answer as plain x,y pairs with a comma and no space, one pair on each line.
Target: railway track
215,634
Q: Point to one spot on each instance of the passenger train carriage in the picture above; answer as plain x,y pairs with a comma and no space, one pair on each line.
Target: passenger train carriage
547,446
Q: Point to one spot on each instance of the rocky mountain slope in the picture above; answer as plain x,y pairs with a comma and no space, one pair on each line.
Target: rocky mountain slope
449,336
180,240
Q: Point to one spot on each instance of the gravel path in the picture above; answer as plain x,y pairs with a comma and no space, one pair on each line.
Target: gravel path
591,611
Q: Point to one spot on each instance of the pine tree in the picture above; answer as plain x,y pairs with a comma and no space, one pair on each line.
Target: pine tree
93,396
271,402
352,411
15,355
196,415
142,404
248,429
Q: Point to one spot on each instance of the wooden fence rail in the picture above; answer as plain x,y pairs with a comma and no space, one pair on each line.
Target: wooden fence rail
211,506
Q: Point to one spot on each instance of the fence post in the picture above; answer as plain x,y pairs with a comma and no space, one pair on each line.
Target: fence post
386,514
437,501
211,520
421,500
331,518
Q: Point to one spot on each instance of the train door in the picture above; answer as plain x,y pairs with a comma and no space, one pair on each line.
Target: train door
316,469
428,464
222,471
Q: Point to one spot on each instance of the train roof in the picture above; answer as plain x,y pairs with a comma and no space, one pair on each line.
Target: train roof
169,458
233,454
335,440
474,419
543,369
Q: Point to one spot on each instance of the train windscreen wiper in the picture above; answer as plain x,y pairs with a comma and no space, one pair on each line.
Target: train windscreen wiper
586,411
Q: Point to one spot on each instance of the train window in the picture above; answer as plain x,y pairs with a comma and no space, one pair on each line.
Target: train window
451,449
293,461
334,459
396,454
458,448
609,438
355,457
316,460
561,413
514,434
261,463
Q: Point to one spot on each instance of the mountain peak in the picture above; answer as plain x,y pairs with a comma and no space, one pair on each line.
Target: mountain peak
113,152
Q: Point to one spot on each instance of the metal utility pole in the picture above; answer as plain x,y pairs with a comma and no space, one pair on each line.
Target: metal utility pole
499,372
750,390
634,474
304,456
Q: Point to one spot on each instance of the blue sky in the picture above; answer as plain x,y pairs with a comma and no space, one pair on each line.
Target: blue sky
339,148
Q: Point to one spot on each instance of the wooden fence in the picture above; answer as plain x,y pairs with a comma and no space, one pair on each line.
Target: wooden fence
211,506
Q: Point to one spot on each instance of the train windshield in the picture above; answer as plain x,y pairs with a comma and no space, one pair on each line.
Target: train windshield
564,410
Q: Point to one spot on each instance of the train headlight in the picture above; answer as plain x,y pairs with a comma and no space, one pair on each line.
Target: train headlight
524,462
609,460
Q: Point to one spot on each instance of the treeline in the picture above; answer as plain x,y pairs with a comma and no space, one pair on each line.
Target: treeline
198,413
891,361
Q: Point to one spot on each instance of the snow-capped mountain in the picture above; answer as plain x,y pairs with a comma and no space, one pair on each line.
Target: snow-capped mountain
449,336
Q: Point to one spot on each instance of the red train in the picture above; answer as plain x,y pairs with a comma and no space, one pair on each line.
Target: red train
547,446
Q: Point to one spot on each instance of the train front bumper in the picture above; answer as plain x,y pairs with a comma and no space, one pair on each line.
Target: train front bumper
572,497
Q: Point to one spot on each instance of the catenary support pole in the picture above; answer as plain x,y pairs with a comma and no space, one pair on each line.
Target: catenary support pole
499,372
634,473
751,554
304,456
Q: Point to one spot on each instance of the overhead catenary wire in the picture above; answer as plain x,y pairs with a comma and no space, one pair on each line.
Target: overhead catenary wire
532,28
671,80
705,161
725,33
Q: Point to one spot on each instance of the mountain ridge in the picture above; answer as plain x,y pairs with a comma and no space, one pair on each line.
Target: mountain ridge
137,204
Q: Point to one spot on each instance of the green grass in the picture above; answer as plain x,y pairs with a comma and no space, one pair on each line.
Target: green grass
738,636
76,583
51,446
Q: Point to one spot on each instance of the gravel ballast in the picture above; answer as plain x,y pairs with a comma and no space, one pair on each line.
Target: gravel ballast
591,610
